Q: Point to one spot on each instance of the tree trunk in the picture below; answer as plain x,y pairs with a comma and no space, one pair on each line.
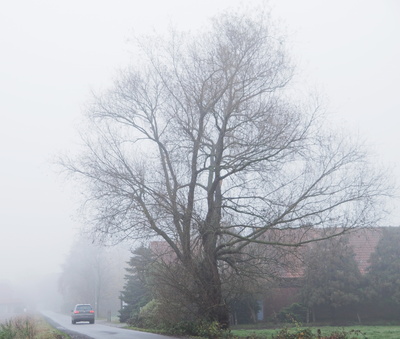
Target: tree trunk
215,307
210,291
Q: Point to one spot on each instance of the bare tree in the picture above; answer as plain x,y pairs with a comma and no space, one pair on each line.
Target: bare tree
93,274
199,145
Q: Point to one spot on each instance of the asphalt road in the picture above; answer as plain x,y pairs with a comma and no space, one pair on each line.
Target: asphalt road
95,331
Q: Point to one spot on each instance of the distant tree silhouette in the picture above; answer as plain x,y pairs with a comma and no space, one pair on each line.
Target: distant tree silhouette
332,279
383,274
92,274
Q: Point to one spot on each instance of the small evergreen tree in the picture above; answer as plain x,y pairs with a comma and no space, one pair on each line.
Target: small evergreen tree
135,293
332,278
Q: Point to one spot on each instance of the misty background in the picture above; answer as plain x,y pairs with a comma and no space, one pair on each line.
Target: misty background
55,53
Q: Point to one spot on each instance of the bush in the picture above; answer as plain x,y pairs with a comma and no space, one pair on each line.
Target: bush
7,330
294,313
149,315
202,329
299,334
307,334
160,315
126,313
352,334
20,327
211,330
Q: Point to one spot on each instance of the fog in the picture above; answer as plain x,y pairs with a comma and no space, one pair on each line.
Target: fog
54,53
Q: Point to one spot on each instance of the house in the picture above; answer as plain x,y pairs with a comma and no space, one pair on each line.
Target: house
362,241
291,267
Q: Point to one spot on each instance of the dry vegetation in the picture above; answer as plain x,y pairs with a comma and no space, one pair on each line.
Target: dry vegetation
29,327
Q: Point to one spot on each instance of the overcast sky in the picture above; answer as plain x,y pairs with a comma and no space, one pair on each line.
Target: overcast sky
54,53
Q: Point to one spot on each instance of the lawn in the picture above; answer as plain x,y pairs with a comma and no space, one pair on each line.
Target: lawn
370,332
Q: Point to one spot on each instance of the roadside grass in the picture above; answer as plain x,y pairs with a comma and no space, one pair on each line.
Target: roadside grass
29,327
299,331
362,332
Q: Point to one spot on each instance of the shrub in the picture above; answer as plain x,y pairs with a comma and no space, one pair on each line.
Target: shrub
299,334
204,329
294,313
7,330
307,334
149,315
343,334
19,327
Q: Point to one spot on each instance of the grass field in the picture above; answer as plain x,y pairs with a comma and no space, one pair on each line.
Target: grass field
370,332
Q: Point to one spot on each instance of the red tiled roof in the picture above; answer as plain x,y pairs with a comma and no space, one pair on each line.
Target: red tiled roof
362,241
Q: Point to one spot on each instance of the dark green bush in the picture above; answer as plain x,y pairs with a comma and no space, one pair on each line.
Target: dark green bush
294,313
204,329
299,334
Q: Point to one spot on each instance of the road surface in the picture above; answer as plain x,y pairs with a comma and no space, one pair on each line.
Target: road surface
97,330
